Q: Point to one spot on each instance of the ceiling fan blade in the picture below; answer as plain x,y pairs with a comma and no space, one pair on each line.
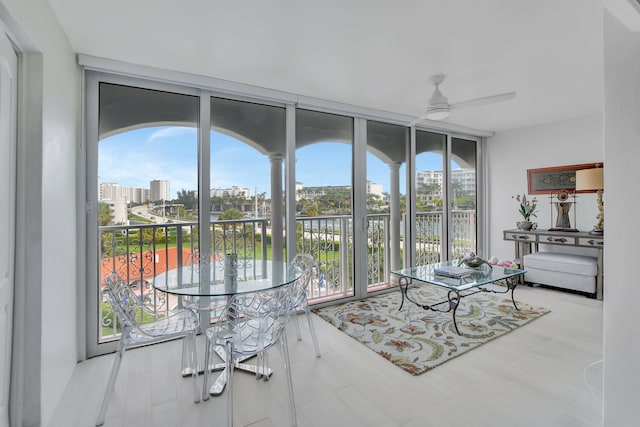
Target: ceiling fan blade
485,100
418,120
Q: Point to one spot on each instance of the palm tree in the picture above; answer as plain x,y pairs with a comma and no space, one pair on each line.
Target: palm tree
105,214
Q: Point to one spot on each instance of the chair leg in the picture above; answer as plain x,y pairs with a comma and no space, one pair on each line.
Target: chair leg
206,373
190,342
284,349
115,368
184,358
312,328
265,365
295,319
260,363
230,364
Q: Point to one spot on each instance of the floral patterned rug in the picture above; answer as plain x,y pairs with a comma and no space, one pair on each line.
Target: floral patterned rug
429,338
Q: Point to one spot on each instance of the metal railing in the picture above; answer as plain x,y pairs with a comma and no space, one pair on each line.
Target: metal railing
429,231
329,239
138,253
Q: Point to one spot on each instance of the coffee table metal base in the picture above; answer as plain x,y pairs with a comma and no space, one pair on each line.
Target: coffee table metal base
454,297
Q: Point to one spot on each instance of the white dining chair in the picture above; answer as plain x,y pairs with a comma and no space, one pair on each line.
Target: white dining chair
250,325
136,329
309,278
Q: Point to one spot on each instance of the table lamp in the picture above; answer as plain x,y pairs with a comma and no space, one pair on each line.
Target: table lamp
590,180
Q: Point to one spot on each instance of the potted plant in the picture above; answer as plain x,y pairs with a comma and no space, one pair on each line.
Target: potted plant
527,208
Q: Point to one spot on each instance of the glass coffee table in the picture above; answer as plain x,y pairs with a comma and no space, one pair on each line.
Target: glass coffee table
460,281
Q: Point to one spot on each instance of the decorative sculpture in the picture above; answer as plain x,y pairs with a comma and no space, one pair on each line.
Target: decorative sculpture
563,206
474,261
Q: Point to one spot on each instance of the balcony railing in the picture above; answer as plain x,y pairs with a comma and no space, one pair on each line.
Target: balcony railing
138,253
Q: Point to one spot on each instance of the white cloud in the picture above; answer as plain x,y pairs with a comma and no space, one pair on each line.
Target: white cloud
171,132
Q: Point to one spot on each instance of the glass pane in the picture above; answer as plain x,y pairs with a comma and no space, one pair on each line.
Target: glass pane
247,151
147,186
324,147
430,184
462,234
386,154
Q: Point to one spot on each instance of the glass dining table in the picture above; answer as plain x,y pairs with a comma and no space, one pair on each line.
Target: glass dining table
207,286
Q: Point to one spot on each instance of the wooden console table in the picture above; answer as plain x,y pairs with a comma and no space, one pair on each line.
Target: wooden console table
526,242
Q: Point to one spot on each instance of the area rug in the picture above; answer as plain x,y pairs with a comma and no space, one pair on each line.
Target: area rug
418,340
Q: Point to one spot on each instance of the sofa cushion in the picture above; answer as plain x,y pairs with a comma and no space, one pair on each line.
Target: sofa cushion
565,263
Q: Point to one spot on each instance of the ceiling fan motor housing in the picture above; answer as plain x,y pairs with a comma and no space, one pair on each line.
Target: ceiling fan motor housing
438,106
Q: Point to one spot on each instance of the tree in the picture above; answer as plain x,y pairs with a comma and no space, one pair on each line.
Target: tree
188,198
230,214
105,214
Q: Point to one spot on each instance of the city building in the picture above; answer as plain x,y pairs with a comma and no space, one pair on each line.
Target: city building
113,191
118,210
159,190
233,191
373,188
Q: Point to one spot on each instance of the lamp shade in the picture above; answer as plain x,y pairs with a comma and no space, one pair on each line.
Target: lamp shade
590,179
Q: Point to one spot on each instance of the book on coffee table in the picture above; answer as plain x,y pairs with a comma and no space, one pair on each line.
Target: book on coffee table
451,271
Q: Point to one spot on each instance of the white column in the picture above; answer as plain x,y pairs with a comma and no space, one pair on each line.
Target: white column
276,207
394,225
290,182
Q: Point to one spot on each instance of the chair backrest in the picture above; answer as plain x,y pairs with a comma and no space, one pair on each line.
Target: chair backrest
309,269
128,305
257,320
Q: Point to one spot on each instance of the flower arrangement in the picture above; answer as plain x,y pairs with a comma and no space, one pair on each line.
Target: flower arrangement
527,207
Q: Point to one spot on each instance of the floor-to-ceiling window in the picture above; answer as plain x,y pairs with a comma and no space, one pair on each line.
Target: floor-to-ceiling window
175,174
142,192
246,181
463,195
430,191
445,197
324,198
387,146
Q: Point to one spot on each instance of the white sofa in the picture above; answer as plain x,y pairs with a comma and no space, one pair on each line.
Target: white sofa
576,272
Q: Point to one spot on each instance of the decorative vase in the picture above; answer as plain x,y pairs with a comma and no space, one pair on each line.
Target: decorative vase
525,225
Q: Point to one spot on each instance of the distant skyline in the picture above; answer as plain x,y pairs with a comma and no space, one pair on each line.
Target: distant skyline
134,158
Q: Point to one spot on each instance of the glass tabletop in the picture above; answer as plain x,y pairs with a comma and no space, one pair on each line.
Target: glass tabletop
185,281
469,277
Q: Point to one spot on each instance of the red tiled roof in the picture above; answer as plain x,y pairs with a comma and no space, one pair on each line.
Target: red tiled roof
145,265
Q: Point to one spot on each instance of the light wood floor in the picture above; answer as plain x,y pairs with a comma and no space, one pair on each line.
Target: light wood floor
547,373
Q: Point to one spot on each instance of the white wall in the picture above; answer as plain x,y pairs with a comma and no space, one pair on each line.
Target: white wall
512,152
622,181
38,33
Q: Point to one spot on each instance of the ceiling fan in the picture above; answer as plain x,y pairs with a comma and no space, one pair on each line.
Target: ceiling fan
439,107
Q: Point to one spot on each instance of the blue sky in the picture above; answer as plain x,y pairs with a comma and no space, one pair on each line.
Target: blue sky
134,158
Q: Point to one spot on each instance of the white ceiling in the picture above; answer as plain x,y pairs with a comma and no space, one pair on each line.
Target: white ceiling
372,53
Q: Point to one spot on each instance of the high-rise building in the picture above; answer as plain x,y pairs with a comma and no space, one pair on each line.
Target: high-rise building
159,190
429,177
373,188
466,179
111,191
